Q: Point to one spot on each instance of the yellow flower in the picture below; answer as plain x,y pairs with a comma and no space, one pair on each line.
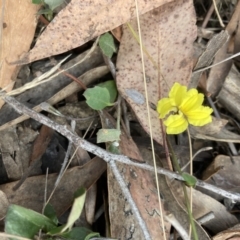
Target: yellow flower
182,108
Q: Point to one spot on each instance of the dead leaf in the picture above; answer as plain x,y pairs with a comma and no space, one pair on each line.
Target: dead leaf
40,144
17,32
3,204
229,95
117,33
218,73
143,190
228,175
228,234
16,148
207,56
215,131
168,34
210,129
57,84
31,193
96,17
203,204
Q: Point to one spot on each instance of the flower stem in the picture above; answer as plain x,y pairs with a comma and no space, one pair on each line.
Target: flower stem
177,167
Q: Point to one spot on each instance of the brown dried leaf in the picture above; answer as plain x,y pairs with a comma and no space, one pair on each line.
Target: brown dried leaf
19,23
141,184
31,193
168,34
3,204
218,73
41,142
16,146
224,173
215,131
81,21
203,204
143,190
207,56
230,234
229,94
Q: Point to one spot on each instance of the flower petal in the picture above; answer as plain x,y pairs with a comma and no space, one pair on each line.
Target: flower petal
200,116
177,93
192,100
164,106
176,124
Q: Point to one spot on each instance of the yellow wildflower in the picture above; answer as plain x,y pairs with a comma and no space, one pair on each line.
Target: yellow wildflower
185,107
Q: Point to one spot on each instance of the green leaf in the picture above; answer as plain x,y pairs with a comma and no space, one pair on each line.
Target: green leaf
97,98
79,233
112,89
50,213
189,179
92,235
56,231
45,11
37,1
108,135
53,3
24,222
106,43
77,207
113,147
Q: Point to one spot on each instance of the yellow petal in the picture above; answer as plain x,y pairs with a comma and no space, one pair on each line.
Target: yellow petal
200,116
192,100
177,93
176,124
164,106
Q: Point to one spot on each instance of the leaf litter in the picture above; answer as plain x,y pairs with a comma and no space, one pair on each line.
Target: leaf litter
168,47
168,34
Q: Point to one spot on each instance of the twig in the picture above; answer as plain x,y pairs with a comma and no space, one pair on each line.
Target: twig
20,108
73,125
106,156
128,195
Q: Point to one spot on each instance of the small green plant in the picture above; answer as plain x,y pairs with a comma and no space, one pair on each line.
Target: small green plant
101,96
106,43
27,223
181,108
48,7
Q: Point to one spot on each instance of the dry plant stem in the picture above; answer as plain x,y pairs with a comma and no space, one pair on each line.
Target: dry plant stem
125,117
106,156
217,115
204,24
110,65
191,173
175,223
55,186
199,151
213,65
149,121
218,15
192,227
73,78
70,144
127,194
45,192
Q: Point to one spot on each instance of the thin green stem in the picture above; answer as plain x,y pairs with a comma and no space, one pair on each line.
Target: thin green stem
191,171
177,167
